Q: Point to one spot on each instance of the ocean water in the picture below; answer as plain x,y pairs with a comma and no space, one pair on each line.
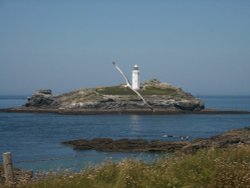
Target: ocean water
227,102
35,139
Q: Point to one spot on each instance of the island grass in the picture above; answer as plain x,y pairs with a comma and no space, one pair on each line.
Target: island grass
159,91
120,90
115,90
207,168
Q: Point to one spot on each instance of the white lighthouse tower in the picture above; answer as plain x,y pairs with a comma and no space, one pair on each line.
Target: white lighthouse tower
135,78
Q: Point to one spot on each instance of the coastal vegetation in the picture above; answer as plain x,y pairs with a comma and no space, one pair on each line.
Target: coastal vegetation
121,90
150,87
212,167
115,90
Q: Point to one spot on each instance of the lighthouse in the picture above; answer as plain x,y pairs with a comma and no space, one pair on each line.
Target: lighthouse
135,78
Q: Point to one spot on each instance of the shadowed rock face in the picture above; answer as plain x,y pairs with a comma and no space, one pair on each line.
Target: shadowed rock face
158,95
228,139
42,99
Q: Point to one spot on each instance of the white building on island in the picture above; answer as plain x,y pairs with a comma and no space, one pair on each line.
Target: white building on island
135,78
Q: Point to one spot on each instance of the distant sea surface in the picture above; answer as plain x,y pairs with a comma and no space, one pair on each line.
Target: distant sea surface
35,139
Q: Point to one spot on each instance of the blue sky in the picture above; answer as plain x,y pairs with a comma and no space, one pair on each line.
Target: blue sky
200,46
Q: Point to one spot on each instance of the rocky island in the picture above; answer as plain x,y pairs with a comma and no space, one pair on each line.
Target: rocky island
161,96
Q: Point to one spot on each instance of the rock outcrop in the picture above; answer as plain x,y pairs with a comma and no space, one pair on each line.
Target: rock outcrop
125,145
42,99
159,95
228,139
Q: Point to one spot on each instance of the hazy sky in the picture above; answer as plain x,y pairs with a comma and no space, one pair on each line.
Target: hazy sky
200,46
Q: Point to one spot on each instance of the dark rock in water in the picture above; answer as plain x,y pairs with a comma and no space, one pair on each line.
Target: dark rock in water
125,145
228,139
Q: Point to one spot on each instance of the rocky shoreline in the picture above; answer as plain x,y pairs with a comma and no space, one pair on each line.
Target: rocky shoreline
228,139
124,111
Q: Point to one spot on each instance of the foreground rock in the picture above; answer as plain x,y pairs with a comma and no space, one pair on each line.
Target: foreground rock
232,138
228,139
161,96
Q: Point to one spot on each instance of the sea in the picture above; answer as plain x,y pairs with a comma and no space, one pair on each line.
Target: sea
35,140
